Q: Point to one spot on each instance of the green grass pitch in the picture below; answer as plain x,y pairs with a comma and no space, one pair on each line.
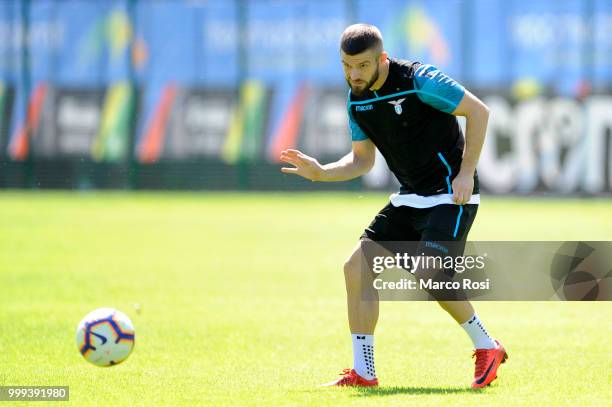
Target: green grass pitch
242,303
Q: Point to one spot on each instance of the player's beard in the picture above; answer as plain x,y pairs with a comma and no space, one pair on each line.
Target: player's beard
368,85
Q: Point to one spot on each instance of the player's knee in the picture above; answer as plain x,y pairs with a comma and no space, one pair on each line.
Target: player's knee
446,305
351,269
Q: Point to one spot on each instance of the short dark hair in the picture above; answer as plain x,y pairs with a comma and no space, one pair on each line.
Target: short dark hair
358,38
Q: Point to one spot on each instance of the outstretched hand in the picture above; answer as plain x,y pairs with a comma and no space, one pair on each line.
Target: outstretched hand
304,165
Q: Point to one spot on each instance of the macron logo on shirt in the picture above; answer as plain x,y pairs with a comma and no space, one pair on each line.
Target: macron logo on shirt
364,108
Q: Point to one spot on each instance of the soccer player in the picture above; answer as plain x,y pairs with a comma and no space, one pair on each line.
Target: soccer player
407,110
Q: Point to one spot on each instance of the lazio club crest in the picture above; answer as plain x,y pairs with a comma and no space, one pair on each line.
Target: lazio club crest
397,104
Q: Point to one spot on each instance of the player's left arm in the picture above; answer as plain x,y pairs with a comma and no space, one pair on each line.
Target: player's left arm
445,94
476,114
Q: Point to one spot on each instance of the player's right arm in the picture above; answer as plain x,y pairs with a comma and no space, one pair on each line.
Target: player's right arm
356,163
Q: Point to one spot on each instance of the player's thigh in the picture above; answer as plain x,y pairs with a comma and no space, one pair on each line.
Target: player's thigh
352,262
353,265
359,264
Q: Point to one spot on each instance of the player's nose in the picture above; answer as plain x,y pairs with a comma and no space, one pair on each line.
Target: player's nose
355,76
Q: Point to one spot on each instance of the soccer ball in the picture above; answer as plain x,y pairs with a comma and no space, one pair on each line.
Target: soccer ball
105,337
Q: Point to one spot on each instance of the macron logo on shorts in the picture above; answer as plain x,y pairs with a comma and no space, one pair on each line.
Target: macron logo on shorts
437,246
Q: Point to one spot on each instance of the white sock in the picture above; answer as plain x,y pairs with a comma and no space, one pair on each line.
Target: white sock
478,334
363,355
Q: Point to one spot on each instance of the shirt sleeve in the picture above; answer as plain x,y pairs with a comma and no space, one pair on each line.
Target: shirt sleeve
356,133
436,89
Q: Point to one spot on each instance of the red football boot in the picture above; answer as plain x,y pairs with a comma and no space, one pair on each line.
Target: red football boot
487,362
351,378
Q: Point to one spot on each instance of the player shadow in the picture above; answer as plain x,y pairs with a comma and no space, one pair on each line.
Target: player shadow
390,391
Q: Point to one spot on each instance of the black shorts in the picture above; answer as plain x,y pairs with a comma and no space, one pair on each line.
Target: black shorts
439,231
439,223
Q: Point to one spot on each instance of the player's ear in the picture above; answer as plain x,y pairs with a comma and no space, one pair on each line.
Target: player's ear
383,57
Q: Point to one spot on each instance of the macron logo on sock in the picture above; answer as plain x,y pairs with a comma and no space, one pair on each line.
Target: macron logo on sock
360,337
